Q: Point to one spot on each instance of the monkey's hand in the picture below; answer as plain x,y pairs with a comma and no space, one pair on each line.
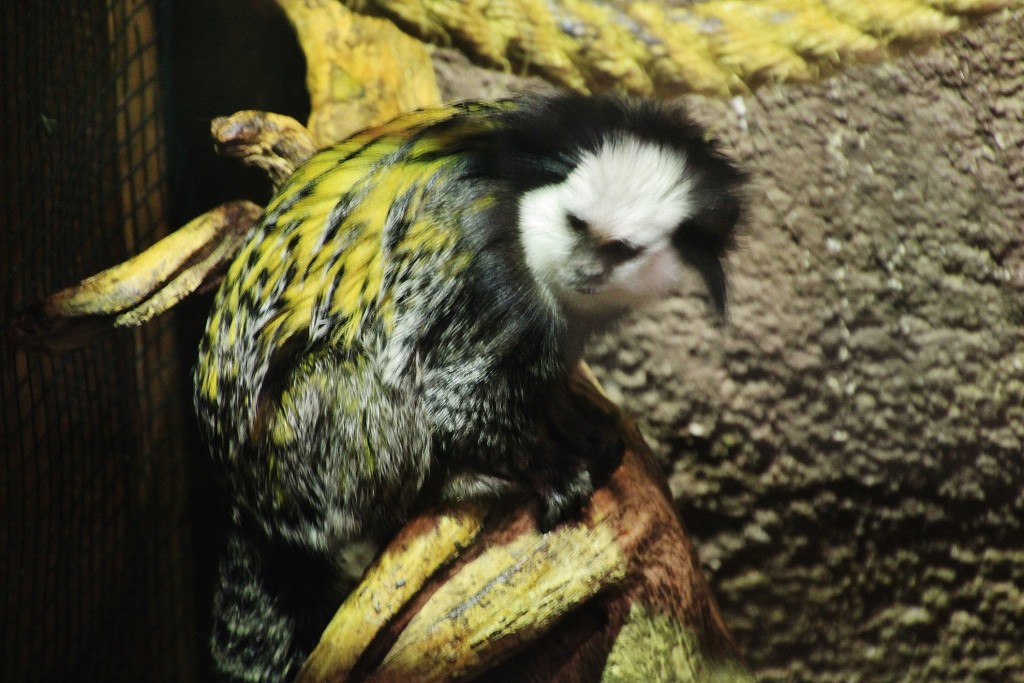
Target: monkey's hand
581,445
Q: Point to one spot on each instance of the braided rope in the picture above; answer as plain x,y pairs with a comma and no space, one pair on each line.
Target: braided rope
712,46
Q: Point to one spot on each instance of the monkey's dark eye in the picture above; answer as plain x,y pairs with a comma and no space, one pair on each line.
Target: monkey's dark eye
577,224
617,251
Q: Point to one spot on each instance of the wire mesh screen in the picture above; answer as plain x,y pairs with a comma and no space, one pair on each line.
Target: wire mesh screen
94,569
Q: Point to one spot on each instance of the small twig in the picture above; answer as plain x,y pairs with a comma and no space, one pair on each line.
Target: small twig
273,142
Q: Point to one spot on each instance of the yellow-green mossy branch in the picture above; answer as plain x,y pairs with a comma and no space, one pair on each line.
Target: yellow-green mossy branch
673,654
417,553
190,259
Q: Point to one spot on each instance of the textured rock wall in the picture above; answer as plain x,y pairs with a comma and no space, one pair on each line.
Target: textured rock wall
847,452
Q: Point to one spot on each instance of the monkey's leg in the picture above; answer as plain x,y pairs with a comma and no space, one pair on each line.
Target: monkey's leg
347,452
339,460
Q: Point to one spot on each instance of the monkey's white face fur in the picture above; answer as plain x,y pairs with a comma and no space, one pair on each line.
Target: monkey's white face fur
601,240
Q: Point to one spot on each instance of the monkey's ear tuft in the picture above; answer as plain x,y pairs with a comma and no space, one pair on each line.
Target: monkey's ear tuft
708,265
